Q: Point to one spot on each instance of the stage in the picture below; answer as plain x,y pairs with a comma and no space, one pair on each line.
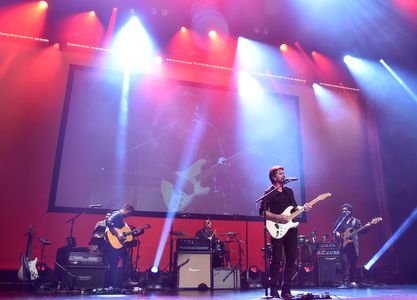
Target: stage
391,292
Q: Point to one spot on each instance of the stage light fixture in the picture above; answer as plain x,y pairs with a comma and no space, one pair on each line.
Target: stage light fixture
253,277
283,47
212,34
158,59
308,268
43,4
153,279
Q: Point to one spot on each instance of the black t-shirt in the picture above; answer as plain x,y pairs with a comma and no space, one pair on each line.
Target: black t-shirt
277,201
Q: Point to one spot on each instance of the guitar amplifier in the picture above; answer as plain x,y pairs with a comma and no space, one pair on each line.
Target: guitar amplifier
199,245
78,256
194,270
84,278
226,278
327,249
85,259
329,271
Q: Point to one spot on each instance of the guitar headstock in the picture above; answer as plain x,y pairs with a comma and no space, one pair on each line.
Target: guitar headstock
31,230
323,196
376,220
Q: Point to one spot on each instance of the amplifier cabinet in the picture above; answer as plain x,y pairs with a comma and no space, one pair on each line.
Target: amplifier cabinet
86,277
329,270
226,278
194,270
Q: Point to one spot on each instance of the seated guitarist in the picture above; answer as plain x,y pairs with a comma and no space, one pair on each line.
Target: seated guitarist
349,245
278,198
116,220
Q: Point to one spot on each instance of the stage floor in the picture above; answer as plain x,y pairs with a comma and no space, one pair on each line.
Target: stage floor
391,292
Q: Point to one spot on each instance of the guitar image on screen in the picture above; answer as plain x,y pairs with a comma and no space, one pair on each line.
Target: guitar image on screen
191,180
27,270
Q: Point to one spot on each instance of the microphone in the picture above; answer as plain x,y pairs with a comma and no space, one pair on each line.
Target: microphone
290,179
95,206
346,212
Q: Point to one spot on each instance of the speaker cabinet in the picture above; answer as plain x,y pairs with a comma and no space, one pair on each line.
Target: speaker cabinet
329,271
194,270
226,278
85,277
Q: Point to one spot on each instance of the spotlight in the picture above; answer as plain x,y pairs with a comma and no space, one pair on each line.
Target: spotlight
347,59
283,47
212,34
153,279
158,59
183,29
253,277
308,268
43,4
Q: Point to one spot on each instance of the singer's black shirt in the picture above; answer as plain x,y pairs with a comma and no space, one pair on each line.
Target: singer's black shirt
277,202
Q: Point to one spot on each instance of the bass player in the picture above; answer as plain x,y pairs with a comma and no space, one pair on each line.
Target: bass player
349,247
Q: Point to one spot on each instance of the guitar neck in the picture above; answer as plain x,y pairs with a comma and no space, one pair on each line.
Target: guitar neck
360,228
301,210
216,167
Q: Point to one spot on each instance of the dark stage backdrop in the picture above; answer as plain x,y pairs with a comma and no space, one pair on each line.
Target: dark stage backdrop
170,146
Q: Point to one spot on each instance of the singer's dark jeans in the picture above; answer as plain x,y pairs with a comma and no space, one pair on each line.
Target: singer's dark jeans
289,244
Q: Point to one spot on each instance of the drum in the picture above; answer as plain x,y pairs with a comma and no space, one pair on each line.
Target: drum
302,240
218,252
218,247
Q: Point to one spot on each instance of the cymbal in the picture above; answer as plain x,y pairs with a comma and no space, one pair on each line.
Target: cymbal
230,233
228,241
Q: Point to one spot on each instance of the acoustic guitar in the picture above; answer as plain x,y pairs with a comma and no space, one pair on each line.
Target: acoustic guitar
127,234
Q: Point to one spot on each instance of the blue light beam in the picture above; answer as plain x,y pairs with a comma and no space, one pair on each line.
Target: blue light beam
400,81
404,226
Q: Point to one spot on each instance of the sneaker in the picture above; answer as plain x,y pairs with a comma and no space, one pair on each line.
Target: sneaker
274,292
344,286
287,296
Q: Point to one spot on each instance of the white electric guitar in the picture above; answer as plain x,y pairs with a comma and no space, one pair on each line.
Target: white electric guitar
28,271
278,230
190,182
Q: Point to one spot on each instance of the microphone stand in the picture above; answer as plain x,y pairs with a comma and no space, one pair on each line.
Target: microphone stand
266,265
71,240
340,223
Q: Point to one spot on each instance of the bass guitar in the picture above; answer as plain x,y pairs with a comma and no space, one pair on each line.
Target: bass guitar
346,236
278,230
127,234
27,270
191,183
